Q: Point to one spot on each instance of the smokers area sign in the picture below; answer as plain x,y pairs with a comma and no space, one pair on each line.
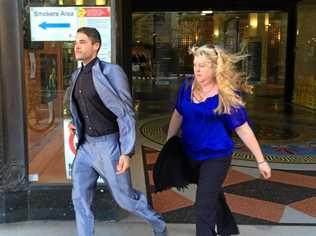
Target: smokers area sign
61,24
53,23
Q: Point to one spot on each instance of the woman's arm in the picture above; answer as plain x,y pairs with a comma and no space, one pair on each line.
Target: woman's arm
248,137
174,125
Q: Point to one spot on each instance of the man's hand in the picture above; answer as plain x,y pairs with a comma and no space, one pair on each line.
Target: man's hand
122,165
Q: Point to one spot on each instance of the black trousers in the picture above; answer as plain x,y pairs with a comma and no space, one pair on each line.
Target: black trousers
210,206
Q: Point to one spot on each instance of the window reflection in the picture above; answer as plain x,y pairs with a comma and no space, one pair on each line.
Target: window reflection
48,68
163,38
305,70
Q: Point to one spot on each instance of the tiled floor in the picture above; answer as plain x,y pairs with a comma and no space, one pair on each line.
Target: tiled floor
287,198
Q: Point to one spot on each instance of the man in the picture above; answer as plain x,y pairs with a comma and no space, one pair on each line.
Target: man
104,122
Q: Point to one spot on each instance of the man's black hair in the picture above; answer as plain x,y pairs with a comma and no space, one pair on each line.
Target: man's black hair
92,34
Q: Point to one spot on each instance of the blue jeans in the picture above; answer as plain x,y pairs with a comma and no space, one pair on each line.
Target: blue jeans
98,156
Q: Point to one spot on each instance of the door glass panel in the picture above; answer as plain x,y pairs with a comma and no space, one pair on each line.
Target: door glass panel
48,67
160,51
305,60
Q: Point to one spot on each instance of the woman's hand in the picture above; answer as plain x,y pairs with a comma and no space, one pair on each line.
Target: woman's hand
265,169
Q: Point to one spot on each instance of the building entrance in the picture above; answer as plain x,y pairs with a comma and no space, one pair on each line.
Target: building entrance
160,62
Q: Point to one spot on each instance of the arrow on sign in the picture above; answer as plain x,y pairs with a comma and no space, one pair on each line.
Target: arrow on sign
46,25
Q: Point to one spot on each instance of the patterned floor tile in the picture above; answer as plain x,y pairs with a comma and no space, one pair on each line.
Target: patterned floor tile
235,177
248,220
255,208
302,172
271,191
168,201
151,158
293,179
182,215
291,215
307,206
252,200
251,171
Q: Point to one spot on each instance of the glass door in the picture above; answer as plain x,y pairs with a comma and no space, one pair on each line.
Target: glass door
161,41
49,31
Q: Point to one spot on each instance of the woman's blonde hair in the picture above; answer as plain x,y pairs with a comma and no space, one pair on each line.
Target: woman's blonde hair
230,82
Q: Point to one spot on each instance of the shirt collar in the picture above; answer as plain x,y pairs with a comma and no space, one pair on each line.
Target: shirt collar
87,68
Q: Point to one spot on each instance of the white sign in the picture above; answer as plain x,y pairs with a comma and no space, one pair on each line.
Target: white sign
69,147
53,23
70,141
61,24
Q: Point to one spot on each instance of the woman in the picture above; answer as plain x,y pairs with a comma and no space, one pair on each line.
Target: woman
208,108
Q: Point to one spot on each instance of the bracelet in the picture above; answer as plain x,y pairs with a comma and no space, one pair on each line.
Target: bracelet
261,162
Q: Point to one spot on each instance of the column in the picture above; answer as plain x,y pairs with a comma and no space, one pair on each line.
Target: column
13,164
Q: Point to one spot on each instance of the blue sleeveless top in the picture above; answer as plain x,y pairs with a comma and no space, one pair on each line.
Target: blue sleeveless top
205,134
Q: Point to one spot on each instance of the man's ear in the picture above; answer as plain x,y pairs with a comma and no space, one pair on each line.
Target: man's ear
96,46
